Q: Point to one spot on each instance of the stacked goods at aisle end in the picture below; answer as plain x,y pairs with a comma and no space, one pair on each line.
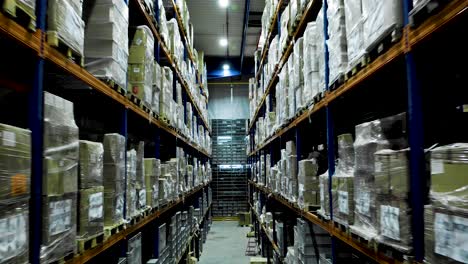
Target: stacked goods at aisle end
15,177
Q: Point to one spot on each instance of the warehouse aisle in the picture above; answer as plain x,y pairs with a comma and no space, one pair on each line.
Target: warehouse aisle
225,244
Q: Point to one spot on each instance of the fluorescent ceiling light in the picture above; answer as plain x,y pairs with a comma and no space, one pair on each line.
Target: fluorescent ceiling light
226,67
223,3
223,42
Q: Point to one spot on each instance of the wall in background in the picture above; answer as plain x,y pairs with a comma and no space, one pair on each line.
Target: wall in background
227,103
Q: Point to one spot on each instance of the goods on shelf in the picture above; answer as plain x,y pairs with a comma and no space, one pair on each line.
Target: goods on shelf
60,179
310,70
140,176
284,32
310,240
166,97
308,184
343,182
114,178
64,24
320,40
176,47
298,74
134,249
130,186
447,217
91,190
337,47
324,210
382,18
158,83
152,172
386,133
140,64
354,31
15,177
106,41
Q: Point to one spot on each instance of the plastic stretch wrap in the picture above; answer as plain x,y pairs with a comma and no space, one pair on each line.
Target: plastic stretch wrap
152,172
140,64
320,53
114,178
90,212
15,164
91,164
65,24
299,73
157,86
131,191
291,165
386,133
324,196
381,18
59,227
61,147
172,169
134,253
310,70
106,41
337,39
14,229
308,184
354,31
284,29
140,176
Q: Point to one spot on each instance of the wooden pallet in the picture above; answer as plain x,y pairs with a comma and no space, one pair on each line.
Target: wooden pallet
318,97
73,55
23,14
337,82
425,9
113,229
138,102
68,256
384,43
342,227
89,242
111,83
360,64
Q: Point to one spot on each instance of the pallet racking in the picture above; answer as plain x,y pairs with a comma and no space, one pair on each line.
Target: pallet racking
408,66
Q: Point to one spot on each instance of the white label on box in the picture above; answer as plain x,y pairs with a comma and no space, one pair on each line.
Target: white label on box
95,210
9,139
136,70
389,221
59,217
437,166
13,237
343,202
363,202
142,198
378,166
451,237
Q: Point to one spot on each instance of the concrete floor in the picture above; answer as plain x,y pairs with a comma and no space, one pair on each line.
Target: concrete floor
225,244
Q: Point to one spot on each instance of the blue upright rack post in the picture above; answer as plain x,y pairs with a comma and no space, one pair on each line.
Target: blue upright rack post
416,143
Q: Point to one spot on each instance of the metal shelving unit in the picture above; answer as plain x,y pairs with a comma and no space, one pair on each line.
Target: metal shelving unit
229,167
401,63
46,59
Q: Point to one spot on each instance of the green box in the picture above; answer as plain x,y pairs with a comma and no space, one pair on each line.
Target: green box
91,212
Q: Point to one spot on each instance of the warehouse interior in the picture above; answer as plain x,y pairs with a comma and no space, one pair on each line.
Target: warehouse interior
233,131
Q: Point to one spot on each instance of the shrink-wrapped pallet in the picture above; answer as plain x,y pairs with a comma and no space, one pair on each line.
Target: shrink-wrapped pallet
320,51
354,31
14,228
299,73
308,184
64,25
15,164
381,19
152,172
157,87
58,227
114,178
343,182
324,196
284,31
337,47
131,200
310,69
106,41
140,176
91,164
90,212
61,147
140,64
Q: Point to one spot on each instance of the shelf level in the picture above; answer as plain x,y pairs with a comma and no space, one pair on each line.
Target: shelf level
377,256
264,229
311,10
168,55
90,254
412,37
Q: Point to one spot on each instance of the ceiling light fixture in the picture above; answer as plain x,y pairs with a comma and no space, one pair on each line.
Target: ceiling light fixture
226,67
223,3
223,42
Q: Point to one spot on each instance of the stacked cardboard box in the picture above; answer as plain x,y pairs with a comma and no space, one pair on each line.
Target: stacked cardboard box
140,177
91,190
60,179
176,47
134,249
15,177
354,31
140,65
311,72
308,184
158,82
64,24
106,41
152,172
310,242
166,94
337,46
324,210
114,178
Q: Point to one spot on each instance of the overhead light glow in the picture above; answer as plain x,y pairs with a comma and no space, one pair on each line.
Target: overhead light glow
223,42
223,3
226,67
